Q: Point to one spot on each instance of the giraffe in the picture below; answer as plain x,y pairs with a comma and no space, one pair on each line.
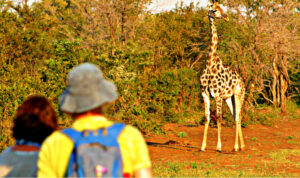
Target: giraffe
222,83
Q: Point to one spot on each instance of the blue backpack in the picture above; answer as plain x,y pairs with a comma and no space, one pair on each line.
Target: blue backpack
96,153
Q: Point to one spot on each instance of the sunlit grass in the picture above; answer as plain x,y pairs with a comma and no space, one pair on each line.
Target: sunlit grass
278,133
282,155
292,106
193,169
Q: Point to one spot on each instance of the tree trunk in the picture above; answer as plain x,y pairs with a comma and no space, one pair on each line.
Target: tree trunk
283,82
123,21
181,97
275,79
283,89
190,98
278,90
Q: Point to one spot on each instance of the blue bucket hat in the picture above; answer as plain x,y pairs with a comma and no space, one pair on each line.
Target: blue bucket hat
87,89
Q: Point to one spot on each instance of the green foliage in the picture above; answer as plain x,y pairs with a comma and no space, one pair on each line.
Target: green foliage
181,134
154,97
174,167
266,118
254,139
154,59
194,165
292,106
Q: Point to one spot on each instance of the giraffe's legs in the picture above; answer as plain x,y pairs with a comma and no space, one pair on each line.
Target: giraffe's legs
239,98
236,143
205,95
241,137
232,108
219,121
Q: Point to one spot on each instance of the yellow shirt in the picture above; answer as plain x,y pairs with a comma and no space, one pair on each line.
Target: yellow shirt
56,149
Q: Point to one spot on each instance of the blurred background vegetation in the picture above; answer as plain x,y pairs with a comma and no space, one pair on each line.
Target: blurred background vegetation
154,59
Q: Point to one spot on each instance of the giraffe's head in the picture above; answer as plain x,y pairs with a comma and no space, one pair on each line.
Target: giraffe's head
216,12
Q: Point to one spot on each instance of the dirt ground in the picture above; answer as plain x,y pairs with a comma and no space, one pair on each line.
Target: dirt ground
261,142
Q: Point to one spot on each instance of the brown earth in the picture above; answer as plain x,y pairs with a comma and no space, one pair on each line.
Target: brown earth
260,142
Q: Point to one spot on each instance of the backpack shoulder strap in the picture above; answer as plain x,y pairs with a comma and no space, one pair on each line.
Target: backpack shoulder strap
71,133
106,136
115,130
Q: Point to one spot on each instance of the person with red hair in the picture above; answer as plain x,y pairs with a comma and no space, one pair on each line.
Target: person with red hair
34,121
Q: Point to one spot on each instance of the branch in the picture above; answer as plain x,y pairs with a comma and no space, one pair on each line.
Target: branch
296,88
266,98
293,96
198,58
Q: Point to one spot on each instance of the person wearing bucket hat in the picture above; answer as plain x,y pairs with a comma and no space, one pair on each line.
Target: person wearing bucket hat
87,89
84,99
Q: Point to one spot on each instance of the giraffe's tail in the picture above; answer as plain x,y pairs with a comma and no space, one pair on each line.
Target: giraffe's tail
233,106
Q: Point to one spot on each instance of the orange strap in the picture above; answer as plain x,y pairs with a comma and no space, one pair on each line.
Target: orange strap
26,148
126,175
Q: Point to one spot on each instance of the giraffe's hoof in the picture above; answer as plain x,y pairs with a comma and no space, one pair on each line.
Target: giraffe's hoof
203,148
220,151
235,150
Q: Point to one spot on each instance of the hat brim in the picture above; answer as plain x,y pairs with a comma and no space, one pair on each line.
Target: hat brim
74,103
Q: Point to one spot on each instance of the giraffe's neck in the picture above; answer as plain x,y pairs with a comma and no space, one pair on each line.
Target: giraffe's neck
214,42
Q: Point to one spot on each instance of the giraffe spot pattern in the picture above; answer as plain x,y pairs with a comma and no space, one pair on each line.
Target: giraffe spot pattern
215,46
218,78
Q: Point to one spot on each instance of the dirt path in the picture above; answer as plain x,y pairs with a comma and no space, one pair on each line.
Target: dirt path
265,146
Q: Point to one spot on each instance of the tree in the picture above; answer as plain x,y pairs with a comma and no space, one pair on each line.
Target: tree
270,42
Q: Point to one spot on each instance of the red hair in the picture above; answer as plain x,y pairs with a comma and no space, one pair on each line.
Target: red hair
35,119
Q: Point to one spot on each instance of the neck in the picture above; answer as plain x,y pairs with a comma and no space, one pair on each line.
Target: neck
87,114
214,42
